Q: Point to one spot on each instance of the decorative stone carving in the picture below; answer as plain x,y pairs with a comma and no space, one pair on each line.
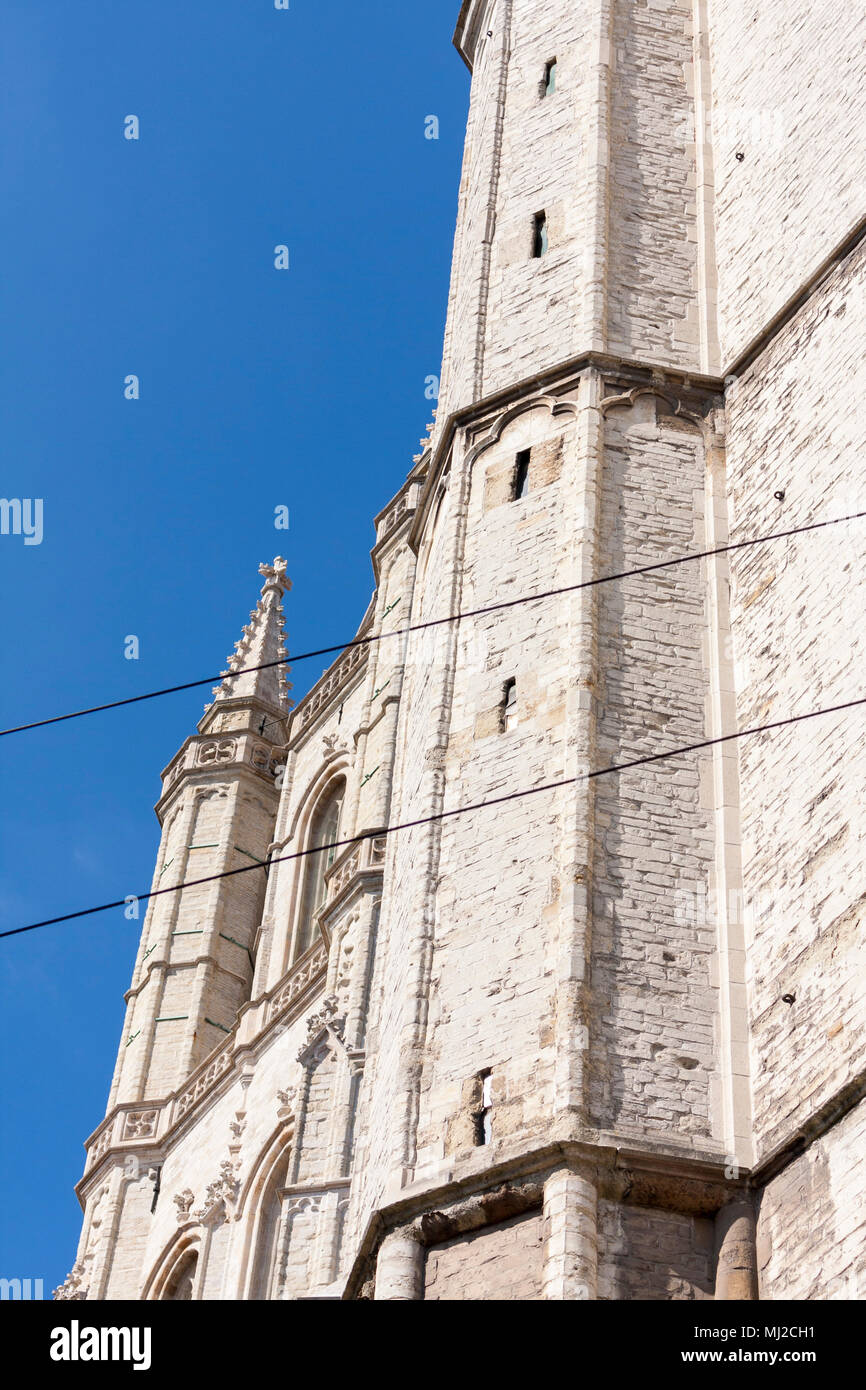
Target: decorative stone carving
275,574
72,1286
369,854
174,771
204,1081
286,1102
308,970
101,1143
140,1124
332,685
344,873
220,751
327,1019
393,517
183,1202
264,759
220,1195
237,1127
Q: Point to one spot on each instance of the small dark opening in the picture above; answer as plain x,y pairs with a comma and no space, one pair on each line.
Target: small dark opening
549,83
521,474
508,707
481,1117
539,235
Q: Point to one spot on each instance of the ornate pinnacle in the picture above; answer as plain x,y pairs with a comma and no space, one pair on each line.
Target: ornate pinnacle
275,576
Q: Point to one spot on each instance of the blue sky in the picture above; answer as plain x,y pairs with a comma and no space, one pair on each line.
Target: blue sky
259,389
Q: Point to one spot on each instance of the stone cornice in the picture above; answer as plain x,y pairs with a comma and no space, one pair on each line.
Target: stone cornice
162,963
226,753
626,1170
552,381
472,15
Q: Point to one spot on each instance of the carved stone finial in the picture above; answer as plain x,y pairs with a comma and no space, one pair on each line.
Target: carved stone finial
328,1019
334,744
220,1195
286,1099
183,1201
275,575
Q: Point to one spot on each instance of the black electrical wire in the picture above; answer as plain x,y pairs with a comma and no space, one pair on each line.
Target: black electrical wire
443,815
293,659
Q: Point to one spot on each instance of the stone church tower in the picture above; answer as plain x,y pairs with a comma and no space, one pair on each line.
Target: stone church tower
603,1040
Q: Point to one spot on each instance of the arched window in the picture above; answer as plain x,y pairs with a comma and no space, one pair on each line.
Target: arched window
180,1283
267,1246
323,836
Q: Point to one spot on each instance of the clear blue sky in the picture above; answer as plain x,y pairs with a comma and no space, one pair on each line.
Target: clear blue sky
259,388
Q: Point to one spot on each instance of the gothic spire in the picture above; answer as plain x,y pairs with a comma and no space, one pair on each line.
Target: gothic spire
262,644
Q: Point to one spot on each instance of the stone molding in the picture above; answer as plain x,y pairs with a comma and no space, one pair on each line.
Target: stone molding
324,694
430,1212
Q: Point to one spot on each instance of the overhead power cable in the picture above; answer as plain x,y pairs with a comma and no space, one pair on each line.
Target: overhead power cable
442,815
293,658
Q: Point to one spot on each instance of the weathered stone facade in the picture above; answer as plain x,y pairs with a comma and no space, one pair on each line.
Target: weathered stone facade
603,1040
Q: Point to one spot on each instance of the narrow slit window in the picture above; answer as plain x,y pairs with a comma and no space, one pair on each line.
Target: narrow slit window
508,708
539,235
484,1114
521,474
548,86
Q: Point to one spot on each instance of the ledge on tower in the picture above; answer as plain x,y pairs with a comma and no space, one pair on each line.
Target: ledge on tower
473,15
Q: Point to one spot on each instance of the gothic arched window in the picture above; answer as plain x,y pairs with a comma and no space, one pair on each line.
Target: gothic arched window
323,835
265,1279
180,1284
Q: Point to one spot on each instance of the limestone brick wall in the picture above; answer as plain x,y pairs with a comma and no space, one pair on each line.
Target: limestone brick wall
499,877
786,78
652,258
609,158
534,307
654,1050
398,990
502,1263
462,353
126,1254
812,1220
313,1138
644,1253
798,623
194,968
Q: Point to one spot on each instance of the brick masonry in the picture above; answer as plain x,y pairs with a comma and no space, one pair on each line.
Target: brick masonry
498,1263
